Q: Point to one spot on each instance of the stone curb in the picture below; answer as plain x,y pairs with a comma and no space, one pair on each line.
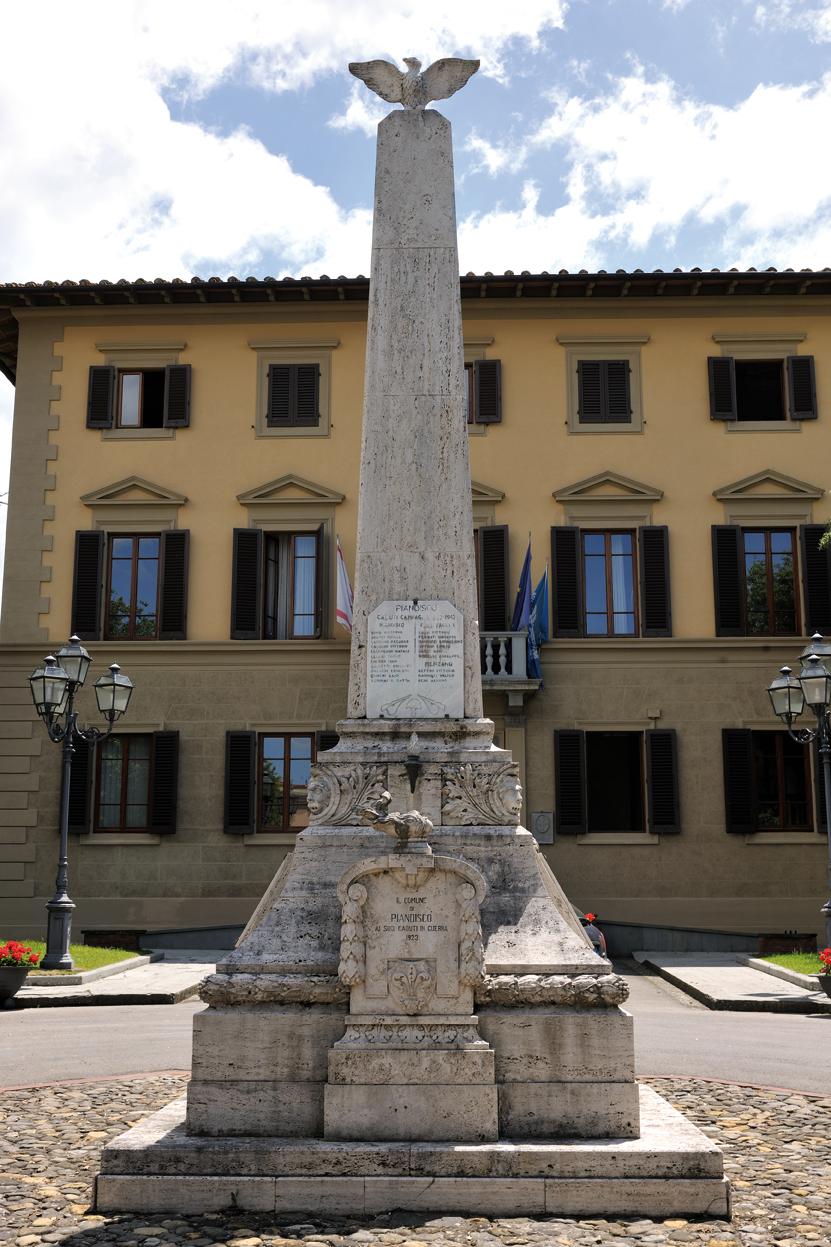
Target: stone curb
808,981
89,976
122,998
738,1004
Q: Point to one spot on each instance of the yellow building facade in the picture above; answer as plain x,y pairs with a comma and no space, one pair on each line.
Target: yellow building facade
185,455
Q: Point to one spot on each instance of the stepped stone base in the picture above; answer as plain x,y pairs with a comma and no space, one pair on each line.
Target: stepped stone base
671,1169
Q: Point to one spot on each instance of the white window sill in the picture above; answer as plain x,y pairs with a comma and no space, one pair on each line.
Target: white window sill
618,837
785,837
577,427
322,430
120,837
272,837
128,435
763,426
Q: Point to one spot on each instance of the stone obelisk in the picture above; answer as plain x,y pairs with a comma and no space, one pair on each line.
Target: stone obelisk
415,534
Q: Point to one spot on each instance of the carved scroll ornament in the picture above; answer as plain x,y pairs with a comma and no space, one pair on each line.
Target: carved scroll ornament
338,790
352,965
477,793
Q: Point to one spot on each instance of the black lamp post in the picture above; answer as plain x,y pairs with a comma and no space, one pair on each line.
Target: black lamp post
789,695
53,691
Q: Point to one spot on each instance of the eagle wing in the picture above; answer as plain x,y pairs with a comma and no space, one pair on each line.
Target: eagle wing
445,77
381,77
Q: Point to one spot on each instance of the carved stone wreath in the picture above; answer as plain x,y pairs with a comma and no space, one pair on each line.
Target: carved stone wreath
584,991
283,989
338,790
477,793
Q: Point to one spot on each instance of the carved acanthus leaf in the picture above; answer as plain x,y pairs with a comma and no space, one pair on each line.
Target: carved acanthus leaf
338,790
478,793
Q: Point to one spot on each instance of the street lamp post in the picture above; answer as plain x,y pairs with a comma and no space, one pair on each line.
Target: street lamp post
789,695
53,691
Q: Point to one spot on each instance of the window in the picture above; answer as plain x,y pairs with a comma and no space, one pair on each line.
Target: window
762,390
283,776
603,382
616,781
770,581
293,387
293,396
128,783
483,391
766,782
133,588
277,581
139,398
603,391
609,583
141,579
266,780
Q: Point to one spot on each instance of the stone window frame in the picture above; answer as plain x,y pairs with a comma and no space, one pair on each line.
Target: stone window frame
604,346
133,356
817,836
476,349
282,728
629,838
760,345
295,351
110,838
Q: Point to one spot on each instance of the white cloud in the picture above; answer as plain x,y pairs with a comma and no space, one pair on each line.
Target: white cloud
526,238
793,15
363,111
495,158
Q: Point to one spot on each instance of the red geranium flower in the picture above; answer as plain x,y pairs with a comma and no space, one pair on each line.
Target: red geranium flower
590,917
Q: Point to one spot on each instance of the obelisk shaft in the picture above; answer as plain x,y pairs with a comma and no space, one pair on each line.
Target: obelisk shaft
415,527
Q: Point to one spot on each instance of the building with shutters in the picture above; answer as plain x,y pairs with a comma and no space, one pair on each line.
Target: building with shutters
185,455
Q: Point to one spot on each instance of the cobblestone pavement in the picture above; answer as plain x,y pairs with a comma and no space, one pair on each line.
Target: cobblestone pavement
776,1148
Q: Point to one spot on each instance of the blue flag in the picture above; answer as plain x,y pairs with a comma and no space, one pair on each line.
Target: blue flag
522,606
538,626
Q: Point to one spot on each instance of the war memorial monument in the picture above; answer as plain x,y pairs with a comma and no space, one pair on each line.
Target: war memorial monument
413,1018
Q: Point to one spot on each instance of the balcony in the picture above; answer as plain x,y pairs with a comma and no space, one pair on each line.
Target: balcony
504,666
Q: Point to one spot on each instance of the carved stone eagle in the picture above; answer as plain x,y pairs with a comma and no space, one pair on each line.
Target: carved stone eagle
414,89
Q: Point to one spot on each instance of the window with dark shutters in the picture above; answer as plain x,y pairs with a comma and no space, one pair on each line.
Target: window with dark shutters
722,375
240,781
728,580
164,783
656,612
566,582
816,579
177,396
87,585
603,395
570,782
737,746
802,388
662,782
173,608
493,577
101,397
293,395
246,584
80,788
487,382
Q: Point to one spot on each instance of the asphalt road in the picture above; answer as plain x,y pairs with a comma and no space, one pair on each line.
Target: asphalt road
673,1035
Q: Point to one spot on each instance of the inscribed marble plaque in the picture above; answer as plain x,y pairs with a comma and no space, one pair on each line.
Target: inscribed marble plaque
415,661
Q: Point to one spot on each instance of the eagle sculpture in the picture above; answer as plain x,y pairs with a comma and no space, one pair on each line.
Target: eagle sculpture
414,89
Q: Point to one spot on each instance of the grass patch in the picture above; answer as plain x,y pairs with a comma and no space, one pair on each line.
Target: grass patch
85,956
803,963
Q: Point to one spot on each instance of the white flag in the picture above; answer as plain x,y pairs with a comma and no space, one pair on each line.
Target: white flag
343,612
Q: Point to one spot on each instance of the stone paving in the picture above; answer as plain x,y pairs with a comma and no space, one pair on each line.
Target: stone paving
776,1155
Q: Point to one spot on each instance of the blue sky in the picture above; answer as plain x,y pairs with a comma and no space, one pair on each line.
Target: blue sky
149,138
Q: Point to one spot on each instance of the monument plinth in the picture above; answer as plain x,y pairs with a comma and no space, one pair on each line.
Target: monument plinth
427,1027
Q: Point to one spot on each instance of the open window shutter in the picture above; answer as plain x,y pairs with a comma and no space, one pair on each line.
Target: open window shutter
307,394
738,781
86,585
565,563
279,394
493,577
177,396
656,612
618,407
820,822
321,581
727,578
240,782
173,612
590,391
816,579
80,788
165,783
487,375
722,373
101,397
570,782
802,387
325,740
246,585
662,782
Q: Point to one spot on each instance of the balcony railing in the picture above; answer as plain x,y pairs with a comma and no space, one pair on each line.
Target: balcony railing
504,656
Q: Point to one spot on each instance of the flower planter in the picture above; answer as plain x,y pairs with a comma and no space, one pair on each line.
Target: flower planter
12,979
825,983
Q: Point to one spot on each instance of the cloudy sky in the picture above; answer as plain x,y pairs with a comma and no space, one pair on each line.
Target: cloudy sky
165,138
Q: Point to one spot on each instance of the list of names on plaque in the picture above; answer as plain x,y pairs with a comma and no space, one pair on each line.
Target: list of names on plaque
415,661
